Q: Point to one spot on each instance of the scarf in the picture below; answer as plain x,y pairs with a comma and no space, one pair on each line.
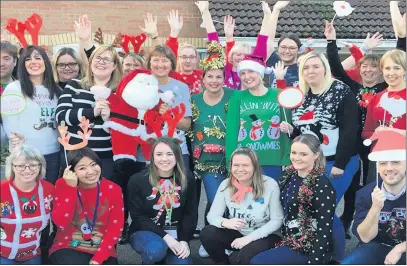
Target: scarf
252,134
241,191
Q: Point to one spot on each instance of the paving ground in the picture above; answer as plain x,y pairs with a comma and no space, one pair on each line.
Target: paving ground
128,256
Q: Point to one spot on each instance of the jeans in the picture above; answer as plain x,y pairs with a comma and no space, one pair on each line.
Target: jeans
272,171
211,184
52,165
75,257
215,240
33,261
341,184
371,253
281,255
154,250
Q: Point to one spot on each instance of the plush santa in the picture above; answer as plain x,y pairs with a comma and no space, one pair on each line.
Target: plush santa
137,97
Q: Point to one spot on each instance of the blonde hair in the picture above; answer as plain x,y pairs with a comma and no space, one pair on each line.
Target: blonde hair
328,80
397,56
257,179
245,46
182,47
30,154
74,55
88,80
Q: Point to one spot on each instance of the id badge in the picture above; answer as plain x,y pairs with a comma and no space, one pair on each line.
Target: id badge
171,230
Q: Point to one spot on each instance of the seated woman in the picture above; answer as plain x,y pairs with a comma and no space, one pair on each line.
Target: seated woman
26,203
88,213
252,201
308,200
163,207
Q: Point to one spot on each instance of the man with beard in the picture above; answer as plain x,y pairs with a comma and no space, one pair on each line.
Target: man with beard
380,218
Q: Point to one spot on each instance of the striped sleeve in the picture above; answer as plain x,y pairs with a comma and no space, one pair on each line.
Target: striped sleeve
67,110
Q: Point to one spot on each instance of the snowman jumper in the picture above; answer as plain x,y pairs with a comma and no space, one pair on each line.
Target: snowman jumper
331,118
208,133
254,121
23,216
388,109
75,220
165,208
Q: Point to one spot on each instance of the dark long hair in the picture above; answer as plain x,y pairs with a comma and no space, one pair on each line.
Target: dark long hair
75,156
27,87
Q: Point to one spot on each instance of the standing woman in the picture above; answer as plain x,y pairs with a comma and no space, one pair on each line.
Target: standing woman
163,207
208,129
88,212
253,119
132,61
255,213
77,100
26,204
67,65
36,124
308,200
161,61
328,112
387,110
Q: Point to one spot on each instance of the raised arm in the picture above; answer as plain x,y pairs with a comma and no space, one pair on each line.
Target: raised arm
150,29
176,23
83,30
206,16
399,25
272,24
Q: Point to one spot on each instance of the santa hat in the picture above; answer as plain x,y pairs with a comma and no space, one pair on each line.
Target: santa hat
129,77
390,146
254,63
306,118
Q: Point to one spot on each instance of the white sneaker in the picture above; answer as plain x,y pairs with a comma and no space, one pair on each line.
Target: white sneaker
203,253
228,252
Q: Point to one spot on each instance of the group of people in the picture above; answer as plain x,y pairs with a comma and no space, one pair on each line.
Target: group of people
272,188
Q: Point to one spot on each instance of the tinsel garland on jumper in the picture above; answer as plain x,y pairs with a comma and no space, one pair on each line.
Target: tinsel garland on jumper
215,169
302,240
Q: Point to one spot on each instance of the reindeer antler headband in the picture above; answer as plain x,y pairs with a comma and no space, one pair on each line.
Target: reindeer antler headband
33,25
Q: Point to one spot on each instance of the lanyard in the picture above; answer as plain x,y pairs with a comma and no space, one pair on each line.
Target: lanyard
96,209
287,194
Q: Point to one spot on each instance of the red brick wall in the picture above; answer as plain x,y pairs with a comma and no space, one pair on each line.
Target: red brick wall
110,16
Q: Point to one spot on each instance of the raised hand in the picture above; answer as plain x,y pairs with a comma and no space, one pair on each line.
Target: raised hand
98,36
266,8
202,5
372,42
150,25
280,5
16,139
83,28
280,70
175,21
378,199
330,32
229,26
70,177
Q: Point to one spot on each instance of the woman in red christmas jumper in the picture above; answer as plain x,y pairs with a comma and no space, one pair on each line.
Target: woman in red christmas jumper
163,207
88,212
26,203
387,110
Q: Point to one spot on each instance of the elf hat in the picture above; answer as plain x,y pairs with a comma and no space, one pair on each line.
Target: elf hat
254,63
390,146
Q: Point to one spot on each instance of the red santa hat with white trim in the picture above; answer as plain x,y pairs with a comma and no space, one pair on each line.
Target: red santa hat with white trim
390,146
254,62
307,117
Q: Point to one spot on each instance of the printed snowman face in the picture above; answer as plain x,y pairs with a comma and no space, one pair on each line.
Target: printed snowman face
275,119
85,229
3,235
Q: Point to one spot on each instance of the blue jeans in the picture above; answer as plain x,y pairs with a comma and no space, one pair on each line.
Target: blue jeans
154,250
53,164
34,261
211,184
272,171
280,256
371,253
185,158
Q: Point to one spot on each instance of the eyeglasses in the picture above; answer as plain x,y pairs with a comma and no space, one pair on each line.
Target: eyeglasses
105,60
32,167
291,48
190,58
69,65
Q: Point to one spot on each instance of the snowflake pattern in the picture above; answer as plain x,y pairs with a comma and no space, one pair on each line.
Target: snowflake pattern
29,232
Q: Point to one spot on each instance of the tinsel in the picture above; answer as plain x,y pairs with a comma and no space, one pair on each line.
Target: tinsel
302,240
195,112
215,57
215,132
216,169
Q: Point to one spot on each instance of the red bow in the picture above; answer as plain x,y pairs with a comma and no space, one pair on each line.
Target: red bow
241,191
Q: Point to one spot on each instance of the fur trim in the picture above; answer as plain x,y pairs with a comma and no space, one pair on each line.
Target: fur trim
119,127
124,156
